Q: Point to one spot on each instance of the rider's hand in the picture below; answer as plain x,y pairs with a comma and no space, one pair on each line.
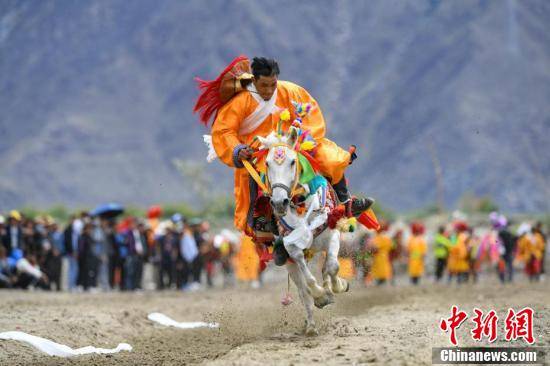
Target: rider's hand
245,154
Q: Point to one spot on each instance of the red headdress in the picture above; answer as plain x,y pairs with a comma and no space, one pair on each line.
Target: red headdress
460,226
215,93
154,212
417,228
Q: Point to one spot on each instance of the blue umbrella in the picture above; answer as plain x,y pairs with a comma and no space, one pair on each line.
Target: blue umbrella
108,210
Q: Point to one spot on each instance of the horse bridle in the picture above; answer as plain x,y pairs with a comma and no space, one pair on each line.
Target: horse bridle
283,186
291,191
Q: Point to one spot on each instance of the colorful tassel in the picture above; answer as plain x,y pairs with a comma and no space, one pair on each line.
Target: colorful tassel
307,170
285,115
307,145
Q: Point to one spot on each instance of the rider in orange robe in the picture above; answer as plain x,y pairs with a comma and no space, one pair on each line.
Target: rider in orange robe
249,106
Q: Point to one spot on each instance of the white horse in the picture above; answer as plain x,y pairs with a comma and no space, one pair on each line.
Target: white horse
282,180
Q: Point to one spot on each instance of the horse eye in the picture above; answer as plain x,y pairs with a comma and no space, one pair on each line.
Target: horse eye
267,164
292,162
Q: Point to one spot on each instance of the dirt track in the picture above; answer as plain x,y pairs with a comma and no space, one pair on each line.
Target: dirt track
391,325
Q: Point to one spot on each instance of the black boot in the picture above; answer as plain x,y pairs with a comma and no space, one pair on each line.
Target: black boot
341,189
358,205
280,255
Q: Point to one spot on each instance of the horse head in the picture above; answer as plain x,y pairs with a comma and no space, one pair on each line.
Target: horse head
281,168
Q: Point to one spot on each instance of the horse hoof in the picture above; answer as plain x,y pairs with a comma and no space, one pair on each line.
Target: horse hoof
323,301
311,331
341,286
320,303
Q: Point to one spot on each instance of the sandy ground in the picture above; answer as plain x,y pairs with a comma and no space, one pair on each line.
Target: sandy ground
381,326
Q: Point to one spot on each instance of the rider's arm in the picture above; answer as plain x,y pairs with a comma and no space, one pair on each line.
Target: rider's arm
225,131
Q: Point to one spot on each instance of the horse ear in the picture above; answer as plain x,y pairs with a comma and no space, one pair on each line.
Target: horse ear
264,141
292,136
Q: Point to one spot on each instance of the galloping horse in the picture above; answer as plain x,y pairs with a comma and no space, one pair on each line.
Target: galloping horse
306,231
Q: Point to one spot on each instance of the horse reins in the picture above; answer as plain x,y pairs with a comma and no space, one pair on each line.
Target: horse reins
254,174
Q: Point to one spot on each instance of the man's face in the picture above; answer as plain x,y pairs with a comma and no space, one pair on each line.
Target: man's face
266,85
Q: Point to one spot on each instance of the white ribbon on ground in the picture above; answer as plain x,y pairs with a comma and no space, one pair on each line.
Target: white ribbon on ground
55,349
169,322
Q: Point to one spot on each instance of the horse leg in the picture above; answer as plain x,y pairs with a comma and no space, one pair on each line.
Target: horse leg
332,266
319,295
327,285
327,282
305,297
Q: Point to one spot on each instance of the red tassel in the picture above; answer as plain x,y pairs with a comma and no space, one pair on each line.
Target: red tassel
369,220
336,214
264,255
260,154
209,100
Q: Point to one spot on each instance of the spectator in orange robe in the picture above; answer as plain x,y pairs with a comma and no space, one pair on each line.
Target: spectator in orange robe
416,249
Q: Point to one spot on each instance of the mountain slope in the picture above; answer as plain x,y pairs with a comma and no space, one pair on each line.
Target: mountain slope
96,97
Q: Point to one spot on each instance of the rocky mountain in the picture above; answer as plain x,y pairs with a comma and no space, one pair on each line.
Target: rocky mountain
96,96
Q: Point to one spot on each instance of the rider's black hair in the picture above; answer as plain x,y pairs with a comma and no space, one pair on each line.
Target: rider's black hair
262,66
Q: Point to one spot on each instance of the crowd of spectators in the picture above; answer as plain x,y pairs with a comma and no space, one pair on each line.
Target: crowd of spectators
102,252
461,251
106,253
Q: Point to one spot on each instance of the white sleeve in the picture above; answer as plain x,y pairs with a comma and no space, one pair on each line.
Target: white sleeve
24,266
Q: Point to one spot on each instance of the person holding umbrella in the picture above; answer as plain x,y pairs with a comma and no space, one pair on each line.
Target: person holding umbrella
106,246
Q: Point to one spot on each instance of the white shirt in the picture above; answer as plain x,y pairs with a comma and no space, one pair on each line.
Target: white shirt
188,247
137,241
14,237
24,266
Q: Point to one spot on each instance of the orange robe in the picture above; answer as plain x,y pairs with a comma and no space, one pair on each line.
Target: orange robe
247,262
381,266
332,159
458,256
417,249
530,245
540,245
347,268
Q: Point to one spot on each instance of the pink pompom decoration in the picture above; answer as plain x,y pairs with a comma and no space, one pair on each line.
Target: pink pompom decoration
287,299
